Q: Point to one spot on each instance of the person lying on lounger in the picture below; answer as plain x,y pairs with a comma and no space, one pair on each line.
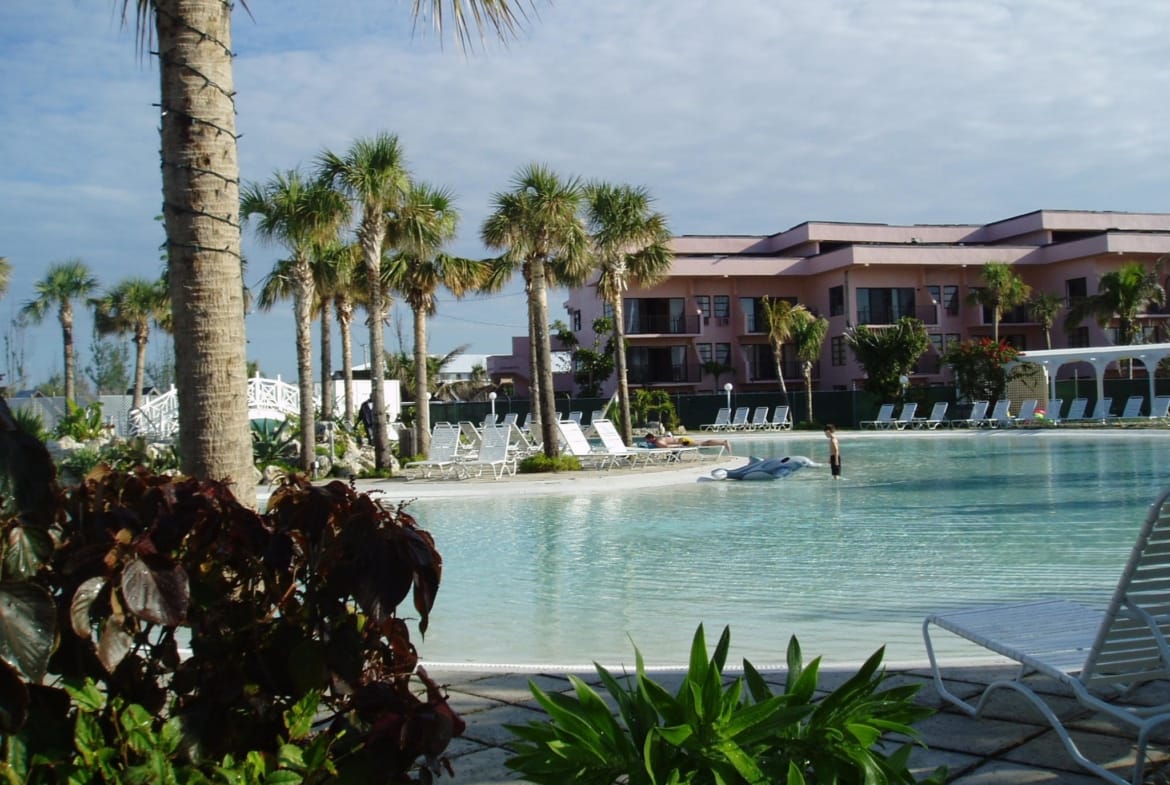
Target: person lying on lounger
674,441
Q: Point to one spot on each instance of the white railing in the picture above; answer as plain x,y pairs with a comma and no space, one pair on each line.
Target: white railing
158,418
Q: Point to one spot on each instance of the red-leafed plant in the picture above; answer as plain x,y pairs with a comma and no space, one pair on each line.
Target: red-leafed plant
167,593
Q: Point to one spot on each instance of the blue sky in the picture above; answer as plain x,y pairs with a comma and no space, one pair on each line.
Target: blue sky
747,116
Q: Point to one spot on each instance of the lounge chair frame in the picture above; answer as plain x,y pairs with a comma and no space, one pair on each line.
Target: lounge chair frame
1093,653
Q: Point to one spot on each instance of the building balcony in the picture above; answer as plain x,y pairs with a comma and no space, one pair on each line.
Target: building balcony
653,324
648,376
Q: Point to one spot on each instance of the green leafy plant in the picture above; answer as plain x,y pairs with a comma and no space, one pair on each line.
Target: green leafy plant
983,368
707,732
650,405
31,423
541,463
186,610
81,422
275,442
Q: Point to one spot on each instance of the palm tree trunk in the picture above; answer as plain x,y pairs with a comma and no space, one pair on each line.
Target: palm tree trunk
778,357
345,320
141,338
66,317
326,360
422,397
543,348
303,315
201,209
808,391
371,242
537,420
620,368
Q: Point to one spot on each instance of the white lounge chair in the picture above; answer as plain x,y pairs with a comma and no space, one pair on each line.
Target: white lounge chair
722,421
975,419
1132,409
1076,410
938,416
1052,410
1000,415
884,419
489,419
1161,408
573,439
906,416
759,421
612,441
1095,654
493,453
444,453
1101,410
739,420
1027,413
781,419
472,437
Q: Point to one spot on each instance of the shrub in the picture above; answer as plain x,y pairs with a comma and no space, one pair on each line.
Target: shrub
31,423
710,733
157,616
81,423
540,463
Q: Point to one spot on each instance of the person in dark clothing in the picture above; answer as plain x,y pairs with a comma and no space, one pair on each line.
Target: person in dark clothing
366,415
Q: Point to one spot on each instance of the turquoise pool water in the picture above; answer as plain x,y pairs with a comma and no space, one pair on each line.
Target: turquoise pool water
919,523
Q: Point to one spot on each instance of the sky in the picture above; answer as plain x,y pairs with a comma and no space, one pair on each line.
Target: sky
739,117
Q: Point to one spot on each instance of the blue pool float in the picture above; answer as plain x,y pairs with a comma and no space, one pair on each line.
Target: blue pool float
765,468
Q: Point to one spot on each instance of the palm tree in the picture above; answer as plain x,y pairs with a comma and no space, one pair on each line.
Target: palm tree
808,335
303,216
5,274
538,225
1043,307
200,173
1123,294
1002,290
347,289
630,246
130,307
373,173
427,221
778,317
63,283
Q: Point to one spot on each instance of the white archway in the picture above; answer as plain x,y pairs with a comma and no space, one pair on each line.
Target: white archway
1100,358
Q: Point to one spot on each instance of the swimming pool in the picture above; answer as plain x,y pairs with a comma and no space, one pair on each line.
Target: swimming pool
918,524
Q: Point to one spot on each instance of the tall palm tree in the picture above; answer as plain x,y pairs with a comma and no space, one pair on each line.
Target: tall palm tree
630,247
427,221
348,290
1002,290
1043,307
5,274
332,278
200,173
808,336
130,307
1122,294
303,216
63,283
373,174
538,224
778,318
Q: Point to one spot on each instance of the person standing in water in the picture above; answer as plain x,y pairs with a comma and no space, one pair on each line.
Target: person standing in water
834,451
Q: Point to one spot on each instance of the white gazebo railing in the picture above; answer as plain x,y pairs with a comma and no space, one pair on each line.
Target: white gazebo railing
158,417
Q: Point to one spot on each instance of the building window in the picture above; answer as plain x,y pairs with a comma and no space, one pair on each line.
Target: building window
1078,338
836,301
576,320
951,300
1075,290
936,343
884,306
607,310
761,362
723,354
703,304
705,354
723,309
837,350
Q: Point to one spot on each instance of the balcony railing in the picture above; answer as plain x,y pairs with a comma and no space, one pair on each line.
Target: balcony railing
688,373
892,315
793,369
656,324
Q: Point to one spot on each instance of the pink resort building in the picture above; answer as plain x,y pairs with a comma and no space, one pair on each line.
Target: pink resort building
708,313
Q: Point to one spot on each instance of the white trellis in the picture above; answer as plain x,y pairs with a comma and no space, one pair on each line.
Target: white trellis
158,418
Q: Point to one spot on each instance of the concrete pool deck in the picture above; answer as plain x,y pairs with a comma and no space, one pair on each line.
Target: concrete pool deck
1010,745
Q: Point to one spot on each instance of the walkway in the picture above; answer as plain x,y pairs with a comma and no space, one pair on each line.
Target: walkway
1010,745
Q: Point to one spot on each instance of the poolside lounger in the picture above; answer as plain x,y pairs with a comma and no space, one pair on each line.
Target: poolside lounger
759,419
612,441
1076,410
739,420
444,454
1161,408
1101,410
510,418
884,419
489,419
938,416
1000,415
781,419
906,416
1027,413
577,444
469,444
493,453
976,417
1095,654
722,421
1052,409
1132,409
